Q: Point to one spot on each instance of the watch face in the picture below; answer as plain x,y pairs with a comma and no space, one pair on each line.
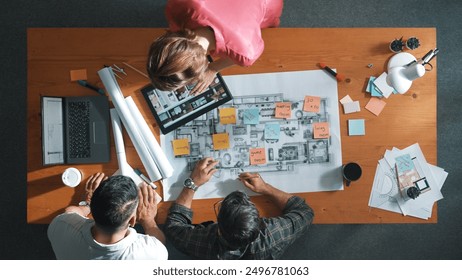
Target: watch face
188,182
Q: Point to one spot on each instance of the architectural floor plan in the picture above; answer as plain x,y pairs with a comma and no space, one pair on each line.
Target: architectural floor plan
291,152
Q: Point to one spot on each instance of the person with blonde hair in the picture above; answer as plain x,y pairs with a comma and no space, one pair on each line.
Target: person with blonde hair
228,29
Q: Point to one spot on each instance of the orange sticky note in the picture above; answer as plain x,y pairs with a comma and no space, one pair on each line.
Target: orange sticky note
283,110
220,141
312,104
80,74
181,147
227,115
375,105
257,156
321,130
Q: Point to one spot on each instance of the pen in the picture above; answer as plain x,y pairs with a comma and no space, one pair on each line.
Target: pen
90,86
146,179
336,75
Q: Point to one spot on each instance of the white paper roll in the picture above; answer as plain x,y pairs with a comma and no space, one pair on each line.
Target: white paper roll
156,152
107,77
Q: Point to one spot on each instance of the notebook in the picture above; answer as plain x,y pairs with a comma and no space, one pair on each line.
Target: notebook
75,130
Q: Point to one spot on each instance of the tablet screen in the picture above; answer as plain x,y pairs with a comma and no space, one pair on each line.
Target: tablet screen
172,109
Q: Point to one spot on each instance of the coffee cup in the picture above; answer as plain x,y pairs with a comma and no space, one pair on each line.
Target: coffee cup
351,172
72,177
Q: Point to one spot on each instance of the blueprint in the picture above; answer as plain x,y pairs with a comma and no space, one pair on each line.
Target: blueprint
294,160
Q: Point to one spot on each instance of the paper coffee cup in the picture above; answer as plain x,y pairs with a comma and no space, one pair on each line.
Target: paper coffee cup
72,177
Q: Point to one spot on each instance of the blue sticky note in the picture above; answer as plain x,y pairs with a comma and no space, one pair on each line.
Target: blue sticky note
404,163
272,131
251,116
372,88
356,127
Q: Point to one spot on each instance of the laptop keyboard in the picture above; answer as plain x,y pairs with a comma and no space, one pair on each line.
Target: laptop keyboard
79,129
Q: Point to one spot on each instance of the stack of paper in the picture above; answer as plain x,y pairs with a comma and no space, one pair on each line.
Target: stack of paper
378,87
386,193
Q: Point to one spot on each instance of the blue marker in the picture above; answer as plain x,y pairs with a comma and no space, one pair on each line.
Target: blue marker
90,86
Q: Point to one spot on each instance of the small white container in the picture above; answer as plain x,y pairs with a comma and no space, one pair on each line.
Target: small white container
72,177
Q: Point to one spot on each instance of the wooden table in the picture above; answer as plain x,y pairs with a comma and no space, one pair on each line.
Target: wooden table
406,119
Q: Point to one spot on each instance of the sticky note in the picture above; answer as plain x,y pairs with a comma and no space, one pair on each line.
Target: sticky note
312,104
181,147
381,84
351,107
372,89
321,130
272,131
375,105
356,127
257,156
346,99
220,141
283,110
227,115
80,74
251,116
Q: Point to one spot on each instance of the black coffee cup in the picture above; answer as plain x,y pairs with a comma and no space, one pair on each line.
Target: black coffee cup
351,172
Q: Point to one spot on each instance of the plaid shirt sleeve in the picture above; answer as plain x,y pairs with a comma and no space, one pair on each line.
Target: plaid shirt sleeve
283,230
194,240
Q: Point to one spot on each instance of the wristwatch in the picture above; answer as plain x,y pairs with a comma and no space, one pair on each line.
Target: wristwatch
189,183
84,203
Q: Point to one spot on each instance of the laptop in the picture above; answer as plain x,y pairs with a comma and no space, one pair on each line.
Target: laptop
75,130
172,109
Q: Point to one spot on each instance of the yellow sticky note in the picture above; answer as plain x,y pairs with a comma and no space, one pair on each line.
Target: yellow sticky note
257,156
227,115
312,104
80,74
181,147
321,130
283,110
220,141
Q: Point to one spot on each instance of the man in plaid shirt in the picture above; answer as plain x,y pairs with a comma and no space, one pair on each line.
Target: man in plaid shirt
240,232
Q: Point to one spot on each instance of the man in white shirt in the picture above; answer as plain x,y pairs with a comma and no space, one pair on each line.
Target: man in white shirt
116,204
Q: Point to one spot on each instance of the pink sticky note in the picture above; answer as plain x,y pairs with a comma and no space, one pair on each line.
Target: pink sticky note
375,105
321,130
283,110
257,156
312,104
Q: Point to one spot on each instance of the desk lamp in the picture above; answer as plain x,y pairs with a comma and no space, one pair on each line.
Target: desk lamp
403,68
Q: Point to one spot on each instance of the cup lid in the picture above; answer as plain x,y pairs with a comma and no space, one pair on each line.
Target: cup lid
72,177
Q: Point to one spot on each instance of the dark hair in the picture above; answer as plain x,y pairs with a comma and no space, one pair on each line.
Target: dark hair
113,203
175,60
238,220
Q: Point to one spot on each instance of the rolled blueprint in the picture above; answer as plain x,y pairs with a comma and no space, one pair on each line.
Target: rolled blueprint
165,168
119,142
107,77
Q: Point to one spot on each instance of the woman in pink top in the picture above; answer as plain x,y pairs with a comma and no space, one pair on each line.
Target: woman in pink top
229,29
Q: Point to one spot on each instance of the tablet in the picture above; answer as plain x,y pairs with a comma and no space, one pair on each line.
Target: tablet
172,109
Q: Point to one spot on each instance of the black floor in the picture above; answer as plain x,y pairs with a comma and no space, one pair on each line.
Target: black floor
435,241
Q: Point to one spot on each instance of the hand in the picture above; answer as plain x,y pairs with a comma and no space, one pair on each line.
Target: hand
92,184
254,182
147,206
205,80
203,171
